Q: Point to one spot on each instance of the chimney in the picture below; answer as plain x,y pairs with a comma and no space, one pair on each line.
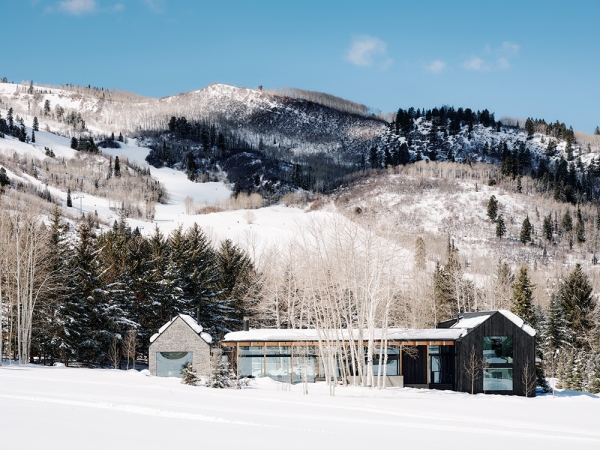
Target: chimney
246,324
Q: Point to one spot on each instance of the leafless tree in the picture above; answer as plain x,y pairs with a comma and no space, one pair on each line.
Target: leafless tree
130,347
473,367
528,378
114,354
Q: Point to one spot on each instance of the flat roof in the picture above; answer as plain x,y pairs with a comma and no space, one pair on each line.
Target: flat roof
293,335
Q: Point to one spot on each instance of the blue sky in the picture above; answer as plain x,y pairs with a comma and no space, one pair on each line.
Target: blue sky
517,58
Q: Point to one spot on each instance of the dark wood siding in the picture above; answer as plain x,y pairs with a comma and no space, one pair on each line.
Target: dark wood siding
523,352
415,369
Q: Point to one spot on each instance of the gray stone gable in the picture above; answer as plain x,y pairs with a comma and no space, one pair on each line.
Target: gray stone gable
180,337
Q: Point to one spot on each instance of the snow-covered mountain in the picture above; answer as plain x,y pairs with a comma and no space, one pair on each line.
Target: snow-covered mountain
292,123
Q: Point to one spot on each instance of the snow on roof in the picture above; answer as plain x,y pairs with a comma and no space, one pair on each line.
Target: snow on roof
282,335
517,321
471,322
190,321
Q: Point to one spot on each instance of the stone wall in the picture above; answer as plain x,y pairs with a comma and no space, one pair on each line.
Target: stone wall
179,337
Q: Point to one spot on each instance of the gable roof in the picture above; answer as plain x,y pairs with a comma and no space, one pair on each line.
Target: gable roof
195,326
473,320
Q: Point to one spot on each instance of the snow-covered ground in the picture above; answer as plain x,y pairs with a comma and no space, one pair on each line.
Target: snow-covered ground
63,408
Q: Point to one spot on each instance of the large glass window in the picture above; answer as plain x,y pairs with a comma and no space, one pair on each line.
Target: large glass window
498,359
251,366
255,350
279,368
498,379
170,364
498,350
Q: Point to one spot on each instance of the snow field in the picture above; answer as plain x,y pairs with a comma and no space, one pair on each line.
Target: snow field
64,408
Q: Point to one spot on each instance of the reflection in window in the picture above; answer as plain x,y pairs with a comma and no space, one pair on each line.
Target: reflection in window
170,364
279,368
498,350
251,367
255,350
498,379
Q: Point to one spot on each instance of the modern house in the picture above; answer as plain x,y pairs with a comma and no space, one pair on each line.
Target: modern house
491,352
178,342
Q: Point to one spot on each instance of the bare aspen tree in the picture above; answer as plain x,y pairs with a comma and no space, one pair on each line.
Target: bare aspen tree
473,367
130,347
528,378
113,352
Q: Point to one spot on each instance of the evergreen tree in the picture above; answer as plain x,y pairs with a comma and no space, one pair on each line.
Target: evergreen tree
189,375
526,230
492,209
120,139
74,143
374,158
239,284
4,180
117,169
575,295
522,304
33,136
220,376
47,107
547,230
69,201
567,222
530,128
36,124
597,131
500,226
579,228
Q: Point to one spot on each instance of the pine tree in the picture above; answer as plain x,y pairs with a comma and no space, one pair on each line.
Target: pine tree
220,376
555,332
500,226
567,222
597,131
33,136
579,228
547,230
576,297
117,169
492,209
120,139
239,284
69,201
522,304
189,375
36,124
74,143
526,230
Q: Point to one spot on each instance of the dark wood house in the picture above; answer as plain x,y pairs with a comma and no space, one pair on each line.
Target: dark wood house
486,352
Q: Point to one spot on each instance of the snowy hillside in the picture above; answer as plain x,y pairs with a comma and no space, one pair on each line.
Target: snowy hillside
71,408
295,124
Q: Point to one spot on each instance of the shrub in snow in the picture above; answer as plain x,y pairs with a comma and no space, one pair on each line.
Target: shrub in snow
189,375
221,376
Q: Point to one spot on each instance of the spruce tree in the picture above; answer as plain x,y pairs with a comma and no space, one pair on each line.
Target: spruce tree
117,168
500,226
567,222
69,201
33,136
36,124
547,230
579,228
526,229
120,139
189,375
576,297
492,209
74,143
220,375
522,304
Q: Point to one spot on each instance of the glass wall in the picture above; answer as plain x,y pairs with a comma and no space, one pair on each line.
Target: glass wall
306,363
441,364
170,364
251,361
279,363
498,358
392,365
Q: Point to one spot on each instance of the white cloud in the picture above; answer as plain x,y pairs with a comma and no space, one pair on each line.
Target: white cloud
155,5
477,64
495,59
436,66
368,50
118,7
78,7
